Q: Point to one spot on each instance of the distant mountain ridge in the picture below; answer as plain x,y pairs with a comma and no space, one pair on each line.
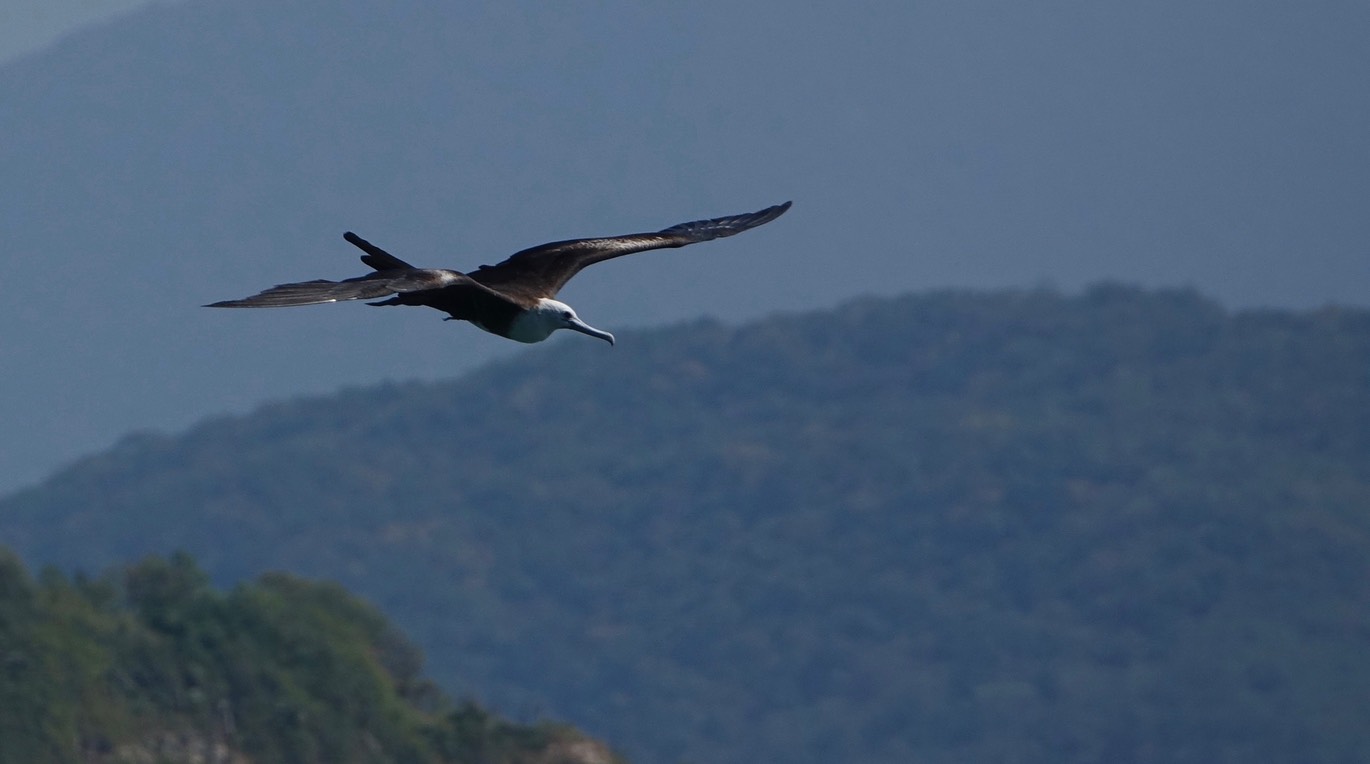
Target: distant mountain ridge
1121,525
194,150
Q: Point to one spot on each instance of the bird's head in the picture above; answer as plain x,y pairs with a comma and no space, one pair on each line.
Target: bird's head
550,315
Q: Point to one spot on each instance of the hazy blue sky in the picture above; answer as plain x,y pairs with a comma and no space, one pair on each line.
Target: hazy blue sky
27,25
200,150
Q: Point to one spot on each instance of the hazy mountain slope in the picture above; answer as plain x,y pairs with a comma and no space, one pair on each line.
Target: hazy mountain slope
200,150
148,663
1119,526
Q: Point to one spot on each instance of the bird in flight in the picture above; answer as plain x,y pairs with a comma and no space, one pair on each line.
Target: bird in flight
515,298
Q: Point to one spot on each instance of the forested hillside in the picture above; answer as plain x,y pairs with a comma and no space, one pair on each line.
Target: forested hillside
1019,526
148,663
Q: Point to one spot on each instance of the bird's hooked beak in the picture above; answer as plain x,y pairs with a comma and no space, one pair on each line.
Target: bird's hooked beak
574,322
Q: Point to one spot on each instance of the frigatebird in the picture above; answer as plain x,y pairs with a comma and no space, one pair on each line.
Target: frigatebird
515,298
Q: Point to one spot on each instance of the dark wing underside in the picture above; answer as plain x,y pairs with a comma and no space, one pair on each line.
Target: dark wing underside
543,270
368,287
449,291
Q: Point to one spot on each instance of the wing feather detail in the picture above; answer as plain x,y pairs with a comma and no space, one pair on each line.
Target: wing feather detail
543,270
369,287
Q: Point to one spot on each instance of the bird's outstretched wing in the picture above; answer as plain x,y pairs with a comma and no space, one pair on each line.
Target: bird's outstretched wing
543,270
368,287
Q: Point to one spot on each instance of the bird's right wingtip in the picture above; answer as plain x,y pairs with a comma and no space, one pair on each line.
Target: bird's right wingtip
771,213
776,211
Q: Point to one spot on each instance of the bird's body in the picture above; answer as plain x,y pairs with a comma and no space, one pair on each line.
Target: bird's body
513,299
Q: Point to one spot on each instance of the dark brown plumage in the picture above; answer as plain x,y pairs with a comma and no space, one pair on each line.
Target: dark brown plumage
514,298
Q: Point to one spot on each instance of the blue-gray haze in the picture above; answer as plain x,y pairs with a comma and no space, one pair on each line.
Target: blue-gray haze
202,150
30,25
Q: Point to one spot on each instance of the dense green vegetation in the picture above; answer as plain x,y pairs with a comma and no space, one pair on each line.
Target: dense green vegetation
150,663
1119,526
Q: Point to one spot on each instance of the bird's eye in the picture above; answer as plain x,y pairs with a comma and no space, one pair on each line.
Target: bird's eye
566,314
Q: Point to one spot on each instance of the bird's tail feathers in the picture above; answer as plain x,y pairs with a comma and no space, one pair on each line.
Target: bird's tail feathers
375,257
